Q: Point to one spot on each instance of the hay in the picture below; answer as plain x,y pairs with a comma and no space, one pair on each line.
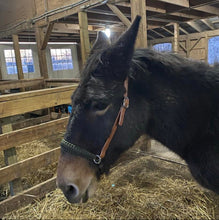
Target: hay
143,188
28,150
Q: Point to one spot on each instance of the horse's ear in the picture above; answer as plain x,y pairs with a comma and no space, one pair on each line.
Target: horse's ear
101,42
118,57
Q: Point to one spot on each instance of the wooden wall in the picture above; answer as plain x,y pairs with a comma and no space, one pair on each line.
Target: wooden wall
194,46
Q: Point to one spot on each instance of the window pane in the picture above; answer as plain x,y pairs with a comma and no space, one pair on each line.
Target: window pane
10,61
163,47
213,50
61,59
26,59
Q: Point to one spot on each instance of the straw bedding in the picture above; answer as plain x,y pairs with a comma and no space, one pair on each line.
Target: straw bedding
139,187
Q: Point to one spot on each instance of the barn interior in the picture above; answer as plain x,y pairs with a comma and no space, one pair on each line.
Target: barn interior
43,48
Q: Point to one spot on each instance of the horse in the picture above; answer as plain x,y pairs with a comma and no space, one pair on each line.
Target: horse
173,100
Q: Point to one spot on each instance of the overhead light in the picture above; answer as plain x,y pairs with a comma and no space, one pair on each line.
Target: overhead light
107,32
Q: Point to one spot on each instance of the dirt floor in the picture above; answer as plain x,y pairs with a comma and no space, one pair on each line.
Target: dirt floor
139,187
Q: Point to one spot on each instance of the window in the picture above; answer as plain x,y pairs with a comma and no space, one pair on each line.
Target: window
163,47
61,59
26,60
10,61
213,50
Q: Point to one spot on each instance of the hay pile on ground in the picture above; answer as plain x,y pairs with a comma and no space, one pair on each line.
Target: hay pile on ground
140,188
26,151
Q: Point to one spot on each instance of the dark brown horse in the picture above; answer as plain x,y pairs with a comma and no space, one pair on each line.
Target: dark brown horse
172,99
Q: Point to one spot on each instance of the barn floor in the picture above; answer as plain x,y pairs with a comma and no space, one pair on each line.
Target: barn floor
139,187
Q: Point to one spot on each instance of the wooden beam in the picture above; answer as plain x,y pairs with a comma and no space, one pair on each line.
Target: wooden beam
18,137
20,103
139,8
60,82
119,14
181,45
182,3
183,30
30,122
159,34
27,196
170,32
41,53
46,36
176,38
13,84
84,35
10,157
195,26
187,47
21,168
207,8
70,28
208,23
18,56
197,41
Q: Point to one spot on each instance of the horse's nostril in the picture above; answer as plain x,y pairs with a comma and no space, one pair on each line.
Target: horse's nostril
72,190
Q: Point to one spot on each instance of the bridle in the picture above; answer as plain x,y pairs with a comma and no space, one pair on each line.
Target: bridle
96,159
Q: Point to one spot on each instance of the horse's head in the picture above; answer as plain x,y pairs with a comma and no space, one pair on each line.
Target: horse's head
95,105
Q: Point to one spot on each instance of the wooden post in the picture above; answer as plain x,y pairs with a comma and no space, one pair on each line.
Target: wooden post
187,47
10,156
18,58
206,48
1,91
139,8
84,35
176,38
41,52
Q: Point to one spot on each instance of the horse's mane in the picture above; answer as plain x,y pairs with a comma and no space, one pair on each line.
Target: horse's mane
174,67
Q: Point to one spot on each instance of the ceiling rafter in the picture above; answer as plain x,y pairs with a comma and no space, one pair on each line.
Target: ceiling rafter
194,26
208,23
159,34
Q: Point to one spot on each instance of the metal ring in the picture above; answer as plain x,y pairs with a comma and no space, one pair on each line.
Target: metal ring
97,160
125,103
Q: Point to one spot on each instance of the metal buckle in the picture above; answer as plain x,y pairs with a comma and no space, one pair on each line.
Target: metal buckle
97,160
125,103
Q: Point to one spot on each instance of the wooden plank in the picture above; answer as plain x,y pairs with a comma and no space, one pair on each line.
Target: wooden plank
176,38
208,23
84,35
18,137
139,8
208,9
46,36
159,34
39,92
13,84
18,57
61,82
24,167
41,53
183,3
30,122
10,157
195,26
15,104
195,44
27,196
62,9
119,14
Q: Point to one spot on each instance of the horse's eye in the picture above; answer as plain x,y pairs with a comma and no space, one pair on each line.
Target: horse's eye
98,106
